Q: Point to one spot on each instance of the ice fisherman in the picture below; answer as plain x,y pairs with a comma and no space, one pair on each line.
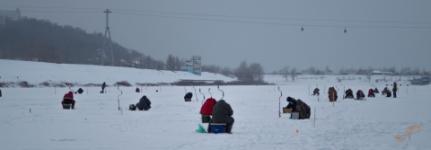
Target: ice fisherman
68,99
144,103
103,87
395,89
207,109
222,113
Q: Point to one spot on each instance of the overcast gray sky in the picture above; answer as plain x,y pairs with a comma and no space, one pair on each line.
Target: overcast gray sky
225,32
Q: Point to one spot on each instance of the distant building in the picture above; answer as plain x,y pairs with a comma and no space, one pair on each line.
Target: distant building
378,72
9,14
193,65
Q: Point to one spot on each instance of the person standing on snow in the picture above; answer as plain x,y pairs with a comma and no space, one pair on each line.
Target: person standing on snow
222,113
395,89
103,87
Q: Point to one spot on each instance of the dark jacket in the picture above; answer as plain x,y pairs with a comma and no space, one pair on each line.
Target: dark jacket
144,103
303,109
395,88
221,112
349,94
188,96
332,94
360,95
292,104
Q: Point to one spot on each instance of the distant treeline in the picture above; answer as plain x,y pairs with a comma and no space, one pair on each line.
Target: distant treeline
40,40
292,71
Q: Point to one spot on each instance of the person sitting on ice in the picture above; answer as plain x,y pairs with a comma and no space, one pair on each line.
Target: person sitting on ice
188,97
371,93
79,91
332,94
349,94
207,109
291,105
68,101
222,113
316,92
386,92
376,90
299,107
144,103
360,95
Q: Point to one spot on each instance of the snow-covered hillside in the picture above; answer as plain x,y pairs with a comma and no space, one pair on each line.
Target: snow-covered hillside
37,72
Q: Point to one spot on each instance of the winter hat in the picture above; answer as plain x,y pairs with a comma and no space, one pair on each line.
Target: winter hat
69,95
290,99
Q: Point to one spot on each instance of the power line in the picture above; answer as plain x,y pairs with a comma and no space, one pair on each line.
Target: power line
280,21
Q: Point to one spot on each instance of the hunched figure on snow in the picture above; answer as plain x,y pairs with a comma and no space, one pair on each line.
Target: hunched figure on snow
386,92
371,93
207,109
360,95
316,92
376,90
332,94
299,107
188,97
222,113
349,94
68,102
144,103
79,91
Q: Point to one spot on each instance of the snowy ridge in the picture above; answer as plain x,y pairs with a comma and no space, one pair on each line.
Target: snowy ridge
38,72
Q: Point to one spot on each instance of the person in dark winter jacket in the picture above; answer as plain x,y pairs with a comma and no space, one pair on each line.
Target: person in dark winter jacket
303,109
222,113
79,91
298,106
144,103
68,100
316,92
395,89
376,90
360,95
291,104
332,94
386,92
188,97
371,93
207,109
349,94
103,87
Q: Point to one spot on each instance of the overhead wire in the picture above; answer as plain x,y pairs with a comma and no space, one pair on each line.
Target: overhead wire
280,21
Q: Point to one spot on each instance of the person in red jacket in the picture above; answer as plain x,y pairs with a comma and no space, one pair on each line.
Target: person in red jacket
68,99
207,109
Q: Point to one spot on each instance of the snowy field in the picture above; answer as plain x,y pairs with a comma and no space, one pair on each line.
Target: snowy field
32,118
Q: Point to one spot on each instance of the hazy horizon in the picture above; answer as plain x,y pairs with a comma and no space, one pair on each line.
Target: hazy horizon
380,33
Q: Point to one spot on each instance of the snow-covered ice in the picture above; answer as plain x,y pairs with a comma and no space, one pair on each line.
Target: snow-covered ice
32,118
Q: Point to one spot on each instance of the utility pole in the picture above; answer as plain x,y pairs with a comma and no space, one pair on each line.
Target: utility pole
108,42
